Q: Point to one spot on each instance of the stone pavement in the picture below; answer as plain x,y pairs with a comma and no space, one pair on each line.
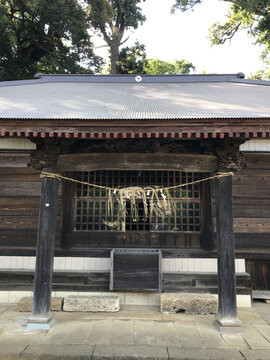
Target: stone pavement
136,332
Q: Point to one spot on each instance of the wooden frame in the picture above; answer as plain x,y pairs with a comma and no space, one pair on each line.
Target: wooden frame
184,162
135,161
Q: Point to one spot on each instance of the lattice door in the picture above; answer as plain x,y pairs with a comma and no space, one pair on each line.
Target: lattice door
91,203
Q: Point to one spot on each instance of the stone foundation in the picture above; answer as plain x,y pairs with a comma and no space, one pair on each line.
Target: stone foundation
25,304
92,303
188,303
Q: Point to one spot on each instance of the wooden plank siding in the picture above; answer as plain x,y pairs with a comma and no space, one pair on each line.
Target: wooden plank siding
20,193
251,193
20,189
207,282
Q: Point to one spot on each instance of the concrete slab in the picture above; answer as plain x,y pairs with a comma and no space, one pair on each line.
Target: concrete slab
235,341
209,334
251,317
264,330
188,334
176,353
145,333
254,338
59,352
60,334
166,334
261,309
11,351
101,332
123,332
132,328
256,354
130,352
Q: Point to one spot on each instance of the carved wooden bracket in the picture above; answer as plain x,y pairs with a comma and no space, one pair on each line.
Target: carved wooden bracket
45,156
234,161
226,150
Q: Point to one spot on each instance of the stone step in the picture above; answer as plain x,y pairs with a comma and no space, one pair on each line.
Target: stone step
92,303
25,304
188,303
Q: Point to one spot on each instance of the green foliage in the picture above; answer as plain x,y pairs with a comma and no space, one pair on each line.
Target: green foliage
124,14
176,67
185,4
112,18
132,59
263,74
44,36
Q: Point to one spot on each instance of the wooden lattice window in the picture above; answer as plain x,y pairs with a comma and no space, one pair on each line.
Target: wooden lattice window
91,203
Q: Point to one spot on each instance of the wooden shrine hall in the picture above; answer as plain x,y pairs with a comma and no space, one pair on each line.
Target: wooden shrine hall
136,169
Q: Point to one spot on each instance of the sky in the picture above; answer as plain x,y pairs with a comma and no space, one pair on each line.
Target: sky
184,36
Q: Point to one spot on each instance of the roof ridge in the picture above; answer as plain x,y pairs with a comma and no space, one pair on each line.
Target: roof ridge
133,78
126,78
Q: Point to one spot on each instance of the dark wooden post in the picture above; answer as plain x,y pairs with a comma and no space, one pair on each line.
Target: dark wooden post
42,317
227,307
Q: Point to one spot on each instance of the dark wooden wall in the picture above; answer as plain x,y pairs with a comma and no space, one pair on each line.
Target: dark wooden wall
20,188
251,191
20,192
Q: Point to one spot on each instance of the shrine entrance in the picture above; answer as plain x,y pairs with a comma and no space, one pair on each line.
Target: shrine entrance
176,226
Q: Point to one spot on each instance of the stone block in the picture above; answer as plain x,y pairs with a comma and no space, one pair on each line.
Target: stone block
25,304
130,352
57,303
189,303
177,353
256,354
11,352
92,303
57,352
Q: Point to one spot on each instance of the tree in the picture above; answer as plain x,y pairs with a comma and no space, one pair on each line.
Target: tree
250,15
263,74
176,67
44,36
132,59
112,18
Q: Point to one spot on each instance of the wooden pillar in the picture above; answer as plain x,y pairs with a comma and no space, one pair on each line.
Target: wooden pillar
41,317
227,308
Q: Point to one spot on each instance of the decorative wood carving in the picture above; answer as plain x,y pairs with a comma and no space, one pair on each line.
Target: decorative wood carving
234,161
227,150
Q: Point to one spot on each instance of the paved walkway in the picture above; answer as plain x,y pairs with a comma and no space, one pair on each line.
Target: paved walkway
136,332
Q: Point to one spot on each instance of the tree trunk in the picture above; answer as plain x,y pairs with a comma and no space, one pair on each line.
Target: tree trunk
114,57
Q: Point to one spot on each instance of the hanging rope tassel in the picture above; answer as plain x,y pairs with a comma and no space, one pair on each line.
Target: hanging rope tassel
161,203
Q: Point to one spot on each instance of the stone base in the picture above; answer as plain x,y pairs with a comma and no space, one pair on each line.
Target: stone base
228,324
25,304
189,303
92,303
40,322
